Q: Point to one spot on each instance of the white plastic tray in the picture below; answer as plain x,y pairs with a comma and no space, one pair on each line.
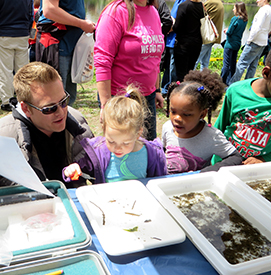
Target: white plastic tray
71,263
113,207
62,206
19,237
240,200
240,174
250,172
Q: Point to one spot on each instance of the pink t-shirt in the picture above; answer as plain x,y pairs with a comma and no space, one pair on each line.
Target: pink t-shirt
133,56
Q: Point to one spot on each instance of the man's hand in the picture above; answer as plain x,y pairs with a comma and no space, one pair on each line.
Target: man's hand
253,160
88,26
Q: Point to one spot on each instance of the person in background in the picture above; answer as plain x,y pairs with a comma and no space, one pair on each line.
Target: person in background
169,64
164,14
189,141
45,128
122,153
166,23
215,10
256,42
188,37
60,25
245,117
33,32
16,17
128,49
233,42
267,48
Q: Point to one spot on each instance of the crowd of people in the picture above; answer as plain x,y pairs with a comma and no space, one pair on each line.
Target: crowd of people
134,41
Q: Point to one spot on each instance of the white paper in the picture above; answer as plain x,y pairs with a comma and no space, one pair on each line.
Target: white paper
14,166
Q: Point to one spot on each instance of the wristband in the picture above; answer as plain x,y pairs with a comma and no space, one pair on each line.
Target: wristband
157,90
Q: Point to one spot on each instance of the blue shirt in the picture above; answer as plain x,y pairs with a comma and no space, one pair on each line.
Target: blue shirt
68,42
130,166
171,36
16,17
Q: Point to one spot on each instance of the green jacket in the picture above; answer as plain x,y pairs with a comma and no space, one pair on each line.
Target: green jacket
235,33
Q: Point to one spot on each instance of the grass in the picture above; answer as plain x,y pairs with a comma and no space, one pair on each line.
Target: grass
87,102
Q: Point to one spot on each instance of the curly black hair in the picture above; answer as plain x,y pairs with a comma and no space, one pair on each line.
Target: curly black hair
206,86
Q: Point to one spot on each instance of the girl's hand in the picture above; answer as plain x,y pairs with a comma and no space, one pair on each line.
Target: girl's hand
159,100
73,171
101,116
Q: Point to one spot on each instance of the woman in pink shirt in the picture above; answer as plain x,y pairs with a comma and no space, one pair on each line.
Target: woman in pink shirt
128,49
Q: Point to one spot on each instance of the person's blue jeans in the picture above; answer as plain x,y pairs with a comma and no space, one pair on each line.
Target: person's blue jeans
65,72
150,123
170,71
204,56
248,60
229,64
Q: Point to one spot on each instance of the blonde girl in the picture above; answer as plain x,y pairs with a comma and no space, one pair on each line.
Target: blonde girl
122,153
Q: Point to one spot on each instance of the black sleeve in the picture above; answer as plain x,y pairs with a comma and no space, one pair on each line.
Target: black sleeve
180,21
233,159
31,15
165,16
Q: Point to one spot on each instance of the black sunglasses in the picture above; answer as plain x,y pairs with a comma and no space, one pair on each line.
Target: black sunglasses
51,109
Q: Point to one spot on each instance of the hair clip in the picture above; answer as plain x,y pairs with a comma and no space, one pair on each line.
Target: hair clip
178,82
127,94
201,88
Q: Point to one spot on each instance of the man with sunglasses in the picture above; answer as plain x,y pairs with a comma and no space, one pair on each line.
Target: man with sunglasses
45,128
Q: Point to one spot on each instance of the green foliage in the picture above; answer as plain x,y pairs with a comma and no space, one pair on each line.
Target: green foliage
233,1
216,61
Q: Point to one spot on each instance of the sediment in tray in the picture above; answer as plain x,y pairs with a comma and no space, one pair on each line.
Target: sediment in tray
263,187
233,236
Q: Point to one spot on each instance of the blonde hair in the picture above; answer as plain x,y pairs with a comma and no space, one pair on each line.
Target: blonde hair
126,112
32,72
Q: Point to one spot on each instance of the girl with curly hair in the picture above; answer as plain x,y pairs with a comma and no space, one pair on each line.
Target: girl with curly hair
189,141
